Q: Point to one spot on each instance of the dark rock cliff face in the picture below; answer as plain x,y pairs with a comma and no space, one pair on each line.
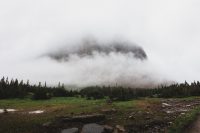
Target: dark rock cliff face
89,48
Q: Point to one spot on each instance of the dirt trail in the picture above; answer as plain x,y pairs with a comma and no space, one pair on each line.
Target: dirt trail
195,127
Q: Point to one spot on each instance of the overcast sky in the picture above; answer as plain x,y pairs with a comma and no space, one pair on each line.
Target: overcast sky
168,31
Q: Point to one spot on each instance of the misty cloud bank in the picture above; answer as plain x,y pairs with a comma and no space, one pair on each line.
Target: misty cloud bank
42,40
90,48
94,62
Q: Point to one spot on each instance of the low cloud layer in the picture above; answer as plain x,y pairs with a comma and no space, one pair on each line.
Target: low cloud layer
92,62
42,40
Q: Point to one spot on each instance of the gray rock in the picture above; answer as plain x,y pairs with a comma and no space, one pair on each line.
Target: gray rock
70,130
166,105
108,129
85,118
47,124
108,111
92,128
120,128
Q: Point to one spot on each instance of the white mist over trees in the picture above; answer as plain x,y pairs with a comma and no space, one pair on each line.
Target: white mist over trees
168,31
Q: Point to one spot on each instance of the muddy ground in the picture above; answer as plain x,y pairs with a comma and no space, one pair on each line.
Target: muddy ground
150,118
137,116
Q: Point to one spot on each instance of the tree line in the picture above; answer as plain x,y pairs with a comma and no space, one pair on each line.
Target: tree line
126,93
20,89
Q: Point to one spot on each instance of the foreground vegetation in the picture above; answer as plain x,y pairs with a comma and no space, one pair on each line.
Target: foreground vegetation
183,122
21,121
136,114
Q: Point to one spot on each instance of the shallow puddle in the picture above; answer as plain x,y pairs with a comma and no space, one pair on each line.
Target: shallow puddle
36,112
7,110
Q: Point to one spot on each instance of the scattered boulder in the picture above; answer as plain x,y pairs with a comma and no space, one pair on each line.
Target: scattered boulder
108,111
166,105
169,111
47,124
120,128
188,105
92,128
70,130
109,101
170,123
108,129
85,118
155,96
147,118
131,117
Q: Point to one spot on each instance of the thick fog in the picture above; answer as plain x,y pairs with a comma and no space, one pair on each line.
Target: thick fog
44,40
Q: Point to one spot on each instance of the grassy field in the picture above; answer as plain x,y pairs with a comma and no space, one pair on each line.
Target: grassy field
147,111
